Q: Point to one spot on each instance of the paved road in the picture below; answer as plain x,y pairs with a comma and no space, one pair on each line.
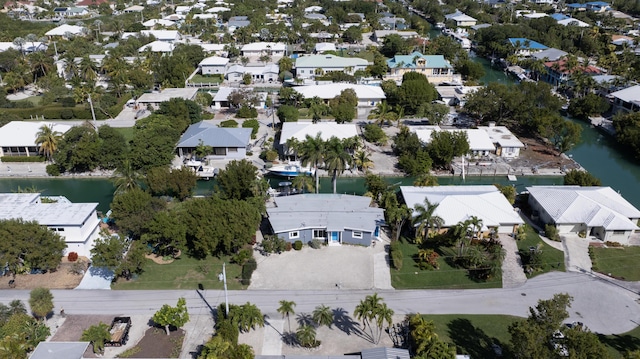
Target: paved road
603,307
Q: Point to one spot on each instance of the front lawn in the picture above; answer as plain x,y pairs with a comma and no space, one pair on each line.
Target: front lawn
619,344
473,334
410,276
551,259
184,273
621,263
214,79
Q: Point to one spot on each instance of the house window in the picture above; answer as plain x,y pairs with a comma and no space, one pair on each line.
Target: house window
219,151
232,149
60,229
357,234
319,234
618,233
294,235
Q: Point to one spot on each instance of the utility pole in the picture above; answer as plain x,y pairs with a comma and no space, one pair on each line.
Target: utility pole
226,297
93,113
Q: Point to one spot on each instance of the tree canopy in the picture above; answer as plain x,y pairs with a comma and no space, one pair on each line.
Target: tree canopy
31,246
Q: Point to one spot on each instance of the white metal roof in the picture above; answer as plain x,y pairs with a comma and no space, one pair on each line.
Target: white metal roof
328,61
168,94
502,136
214,61
329,91
23,133
264,46
212,47
459,203
158,46
325,46
478,139
165,35
593,206
63,29
573,22
62,213
630,94
217,9
300,130
154,22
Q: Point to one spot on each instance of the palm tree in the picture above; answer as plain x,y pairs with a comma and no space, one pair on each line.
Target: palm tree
303,183
382,113
362,161
306,336
425,219
337,159
48,140
40,64
383,314
286,308
372,311
312,151
425,180
97,24
97,335
16,306
476,225
248,316
87,69
125,177
13,347
422,333
19,42
116,68
323,315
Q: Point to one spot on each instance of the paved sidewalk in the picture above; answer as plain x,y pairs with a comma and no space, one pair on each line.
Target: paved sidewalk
576,253
512,272
272,341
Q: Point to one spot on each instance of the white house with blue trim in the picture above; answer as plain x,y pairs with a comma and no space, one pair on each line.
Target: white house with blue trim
526,47
333,218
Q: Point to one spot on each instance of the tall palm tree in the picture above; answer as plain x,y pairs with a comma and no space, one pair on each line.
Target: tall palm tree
476,225
422,333
337,159
125,177
286,308
312,151
97,335
425,180
40,64
87,69
382,113
306,336
303,183
363,161
383,314
323,315
425,219
48,140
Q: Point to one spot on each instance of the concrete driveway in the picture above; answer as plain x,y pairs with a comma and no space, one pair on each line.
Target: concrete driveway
339,267
576,253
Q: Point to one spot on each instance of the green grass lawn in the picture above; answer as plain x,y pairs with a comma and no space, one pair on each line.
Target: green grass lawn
474,334
552,259
35,100
619,344
621,262
127,132
410,276
185,273
206,79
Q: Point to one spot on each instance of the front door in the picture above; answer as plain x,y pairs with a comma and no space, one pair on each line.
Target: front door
334,237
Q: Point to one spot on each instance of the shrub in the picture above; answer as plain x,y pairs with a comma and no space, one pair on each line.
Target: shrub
14,159
521,232
247,112
226,329
582,234
316,243
271,155
613,244
288,246
53,170
247,270
396,255
273,244
297,245
72,256
254,125
374,134
551,232
287,113
242,256
229,124
66,114
67,102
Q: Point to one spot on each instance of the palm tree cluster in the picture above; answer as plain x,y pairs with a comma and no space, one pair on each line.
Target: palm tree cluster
480,256
424,341
374,313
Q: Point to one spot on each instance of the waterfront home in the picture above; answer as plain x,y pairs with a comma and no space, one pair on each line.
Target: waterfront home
226,143
550,54
154,99
589,211
322,47
76,223
598,6
455,95
70,11
380,35
333,218
221,98
506,143
368,95
557,72
213,65
435,67
308,67
461,19
480,144
459,203
158,46
525,47
18,138
626,100
573,22
299,131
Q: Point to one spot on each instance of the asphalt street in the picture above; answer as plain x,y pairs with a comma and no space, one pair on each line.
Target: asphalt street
603,307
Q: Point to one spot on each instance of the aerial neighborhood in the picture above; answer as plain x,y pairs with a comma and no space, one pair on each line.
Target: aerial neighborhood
390,179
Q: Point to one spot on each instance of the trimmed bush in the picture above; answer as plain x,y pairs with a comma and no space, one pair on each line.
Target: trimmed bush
14,159
551,232
271,155
67,102
396,255
226,329
53,170
374,134
247,270
254,125
72,256
66,114
229,124
288,246
297,245
247,112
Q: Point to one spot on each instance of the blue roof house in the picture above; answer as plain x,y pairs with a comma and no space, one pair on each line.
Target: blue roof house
598,6
526,47
332,218
227,143
435,67
577,6
558,17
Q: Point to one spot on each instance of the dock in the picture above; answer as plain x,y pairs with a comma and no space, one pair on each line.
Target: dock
603,124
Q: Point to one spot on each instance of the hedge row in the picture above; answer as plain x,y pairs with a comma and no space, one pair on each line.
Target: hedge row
57,113
7,159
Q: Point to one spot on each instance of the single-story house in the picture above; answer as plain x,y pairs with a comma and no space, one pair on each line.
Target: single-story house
455,95
573,22
258,49
480,143
577,7
64,30
18,138
213,65
158,46
461,19
551,54
216,49
526,47
238,21
593,211
221,98
132,9
163,35
227,143
380,35
322,47
459,203
507,144
308,67
160,22
76,223
368,95
598,6
155,98
260,73
435,67
70,11
217,9
315,16
301,129
627,100
333,218
313,8
55,350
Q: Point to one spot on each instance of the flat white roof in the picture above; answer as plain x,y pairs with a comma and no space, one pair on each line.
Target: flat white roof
630,94
264,46
502,136
23,133
63,213
214,61
330,91
300,130
168,94
478,139
63,29
162,34
158,46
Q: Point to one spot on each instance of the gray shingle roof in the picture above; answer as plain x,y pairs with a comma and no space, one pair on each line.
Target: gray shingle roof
210,135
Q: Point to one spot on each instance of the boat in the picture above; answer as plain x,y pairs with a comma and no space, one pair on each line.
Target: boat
202,171
290,170
439,26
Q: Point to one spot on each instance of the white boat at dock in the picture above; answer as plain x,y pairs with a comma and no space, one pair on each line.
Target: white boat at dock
291,169
201,170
